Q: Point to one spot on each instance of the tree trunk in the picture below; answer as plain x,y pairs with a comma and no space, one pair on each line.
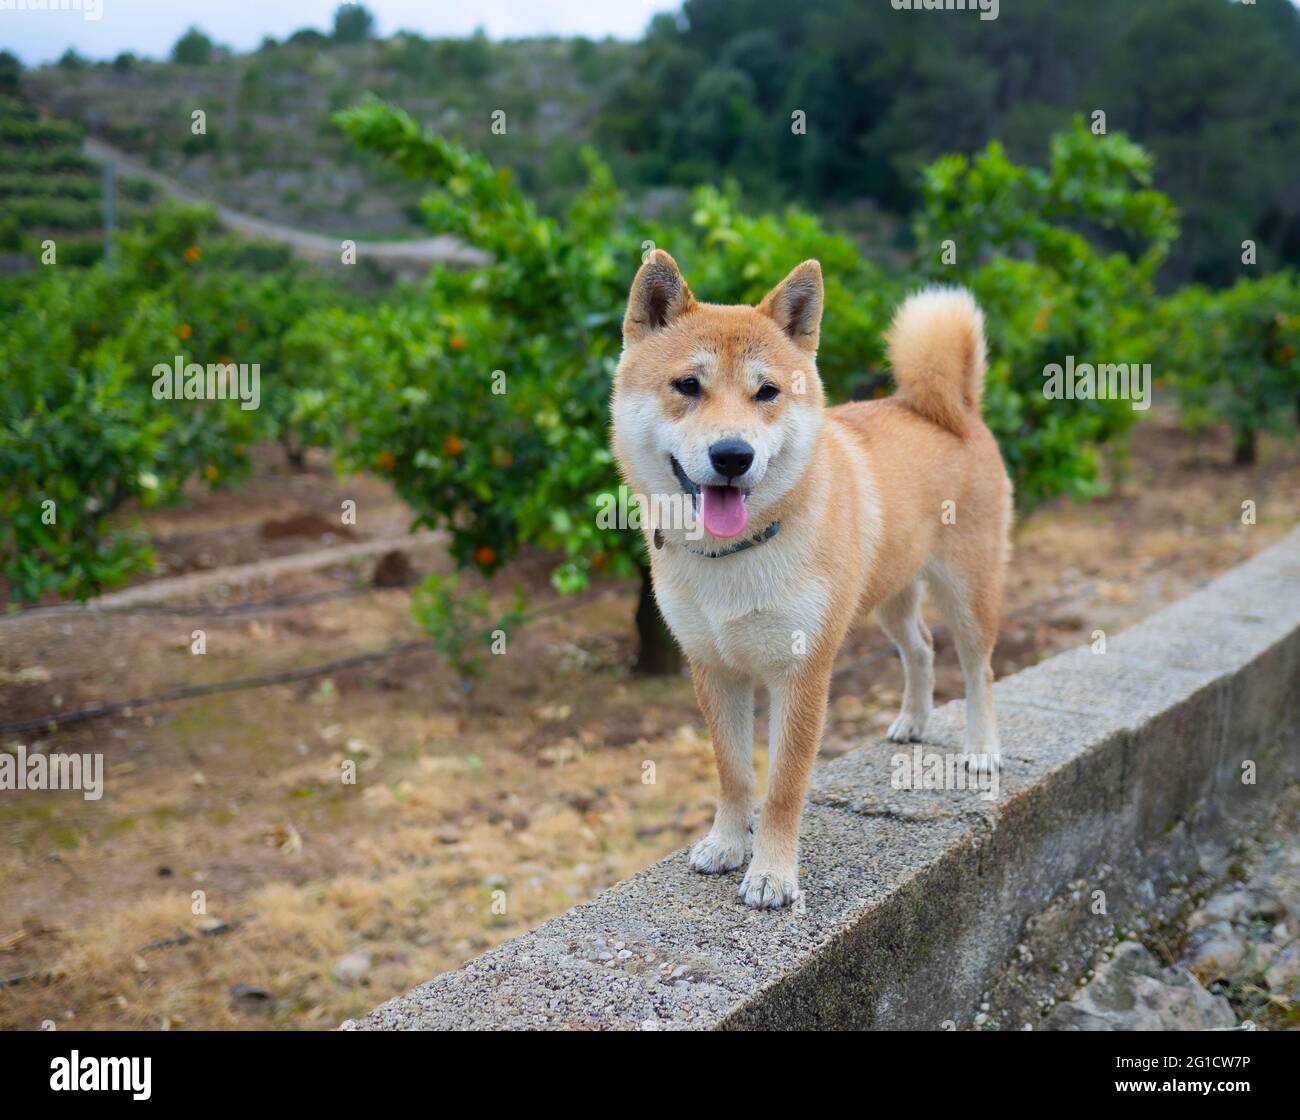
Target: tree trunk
1243,451
658,653
294,454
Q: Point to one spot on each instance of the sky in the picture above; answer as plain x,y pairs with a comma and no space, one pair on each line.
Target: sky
150,27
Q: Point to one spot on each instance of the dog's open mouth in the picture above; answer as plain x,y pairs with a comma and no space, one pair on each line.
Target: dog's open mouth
723,509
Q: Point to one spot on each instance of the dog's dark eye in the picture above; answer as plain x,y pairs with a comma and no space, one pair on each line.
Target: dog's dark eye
687,386
767,393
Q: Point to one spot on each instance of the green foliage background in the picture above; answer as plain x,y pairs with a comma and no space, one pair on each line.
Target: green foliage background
483,395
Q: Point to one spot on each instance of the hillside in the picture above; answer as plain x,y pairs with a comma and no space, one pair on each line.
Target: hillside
269,148
1212,88
50,190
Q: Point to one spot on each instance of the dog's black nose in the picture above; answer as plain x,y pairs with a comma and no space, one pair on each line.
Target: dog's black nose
731,457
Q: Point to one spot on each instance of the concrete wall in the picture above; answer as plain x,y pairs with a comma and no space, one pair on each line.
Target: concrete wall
1119,768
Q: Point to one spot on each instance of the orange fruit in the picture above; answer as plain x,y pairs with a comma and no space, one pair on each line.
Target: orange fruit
385,461
184,331
453,445
193,253
485,556
210,473
456,342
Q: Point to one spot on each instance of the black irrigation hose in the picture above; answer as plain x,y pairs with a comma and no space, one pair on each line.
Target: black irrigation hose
161,943
290,676
286,676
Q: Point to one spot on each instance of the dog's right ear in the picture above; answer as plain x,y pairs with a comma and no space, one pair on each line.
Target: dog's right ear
659,295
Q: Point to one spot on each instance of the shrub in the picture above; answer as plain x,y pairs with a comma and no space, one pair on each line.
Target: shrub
192,49
527,465
79,425
1234,356
353,23
1062,261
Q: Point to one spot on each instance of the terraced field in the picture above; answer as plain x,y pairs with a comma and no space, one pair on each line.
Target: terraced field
51,191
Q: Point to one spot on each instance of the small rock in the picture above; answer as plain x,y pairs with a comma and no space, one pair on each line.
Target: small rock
1131,992
1283,975
1221,953
393,569
352,968
1244,905
251,1000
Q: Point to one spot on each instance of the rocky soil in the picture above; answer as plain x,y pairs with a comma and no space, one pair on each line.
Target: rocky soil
1230,959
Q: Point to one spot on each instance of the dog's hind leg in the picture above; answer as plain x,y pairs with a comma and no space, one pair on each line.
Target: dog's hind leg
728,705
900,619
970,597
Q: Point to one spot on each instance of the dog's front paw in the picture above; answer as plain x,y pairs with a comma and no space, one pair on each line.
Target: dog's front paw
717,853
908,727
769,888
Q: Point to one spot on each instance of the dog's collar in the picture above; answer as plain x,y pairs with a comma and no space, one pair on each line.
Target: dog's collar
749,542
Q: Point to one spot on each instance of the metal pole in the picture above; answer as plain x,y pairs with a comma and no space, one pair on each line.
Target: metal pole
109,215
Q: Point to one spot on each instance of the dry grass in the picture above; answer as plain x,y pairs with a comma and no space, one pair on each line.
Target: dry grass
473,818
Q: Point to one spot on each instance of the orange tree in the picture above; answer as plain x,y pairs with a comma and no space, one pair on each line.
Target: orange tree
485,400
1235,356
82,437
1062,261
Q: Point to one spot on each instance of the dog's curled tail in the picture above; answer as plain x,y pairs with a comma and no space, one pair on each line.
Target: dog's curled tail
936,346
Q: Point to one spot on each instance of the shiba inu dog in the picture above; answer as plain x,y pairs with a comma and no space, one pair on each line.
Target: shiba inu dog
810,517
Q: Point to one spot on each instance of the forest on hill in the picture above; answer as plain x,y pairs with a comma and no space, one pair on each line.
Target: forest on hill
1210,87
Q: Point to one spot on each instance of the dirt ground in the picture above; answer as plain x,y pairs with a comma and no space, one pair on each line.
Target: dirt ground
229,877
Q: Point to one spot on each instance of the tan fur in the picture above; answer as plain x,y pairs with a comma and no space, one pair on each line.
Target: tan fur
936,346
860,492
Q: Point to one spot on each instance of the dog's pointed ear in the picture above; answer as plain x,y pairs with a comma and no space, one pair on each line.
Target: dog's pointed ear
659,295
795,305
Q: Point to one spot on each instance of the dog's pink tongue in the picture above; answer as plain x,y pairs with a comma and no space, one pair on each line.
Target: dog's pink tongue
723,511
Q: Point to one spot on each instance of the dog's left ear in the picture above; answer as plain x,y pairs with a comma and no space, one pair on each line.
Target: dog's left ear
795,305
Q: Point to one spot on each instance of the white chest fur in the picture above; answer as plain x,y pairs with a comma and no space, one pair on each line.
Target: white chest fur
757,612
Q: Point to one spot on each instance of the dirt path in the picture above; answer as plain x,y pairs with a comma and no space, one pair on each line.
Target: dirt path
476,811
316,247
